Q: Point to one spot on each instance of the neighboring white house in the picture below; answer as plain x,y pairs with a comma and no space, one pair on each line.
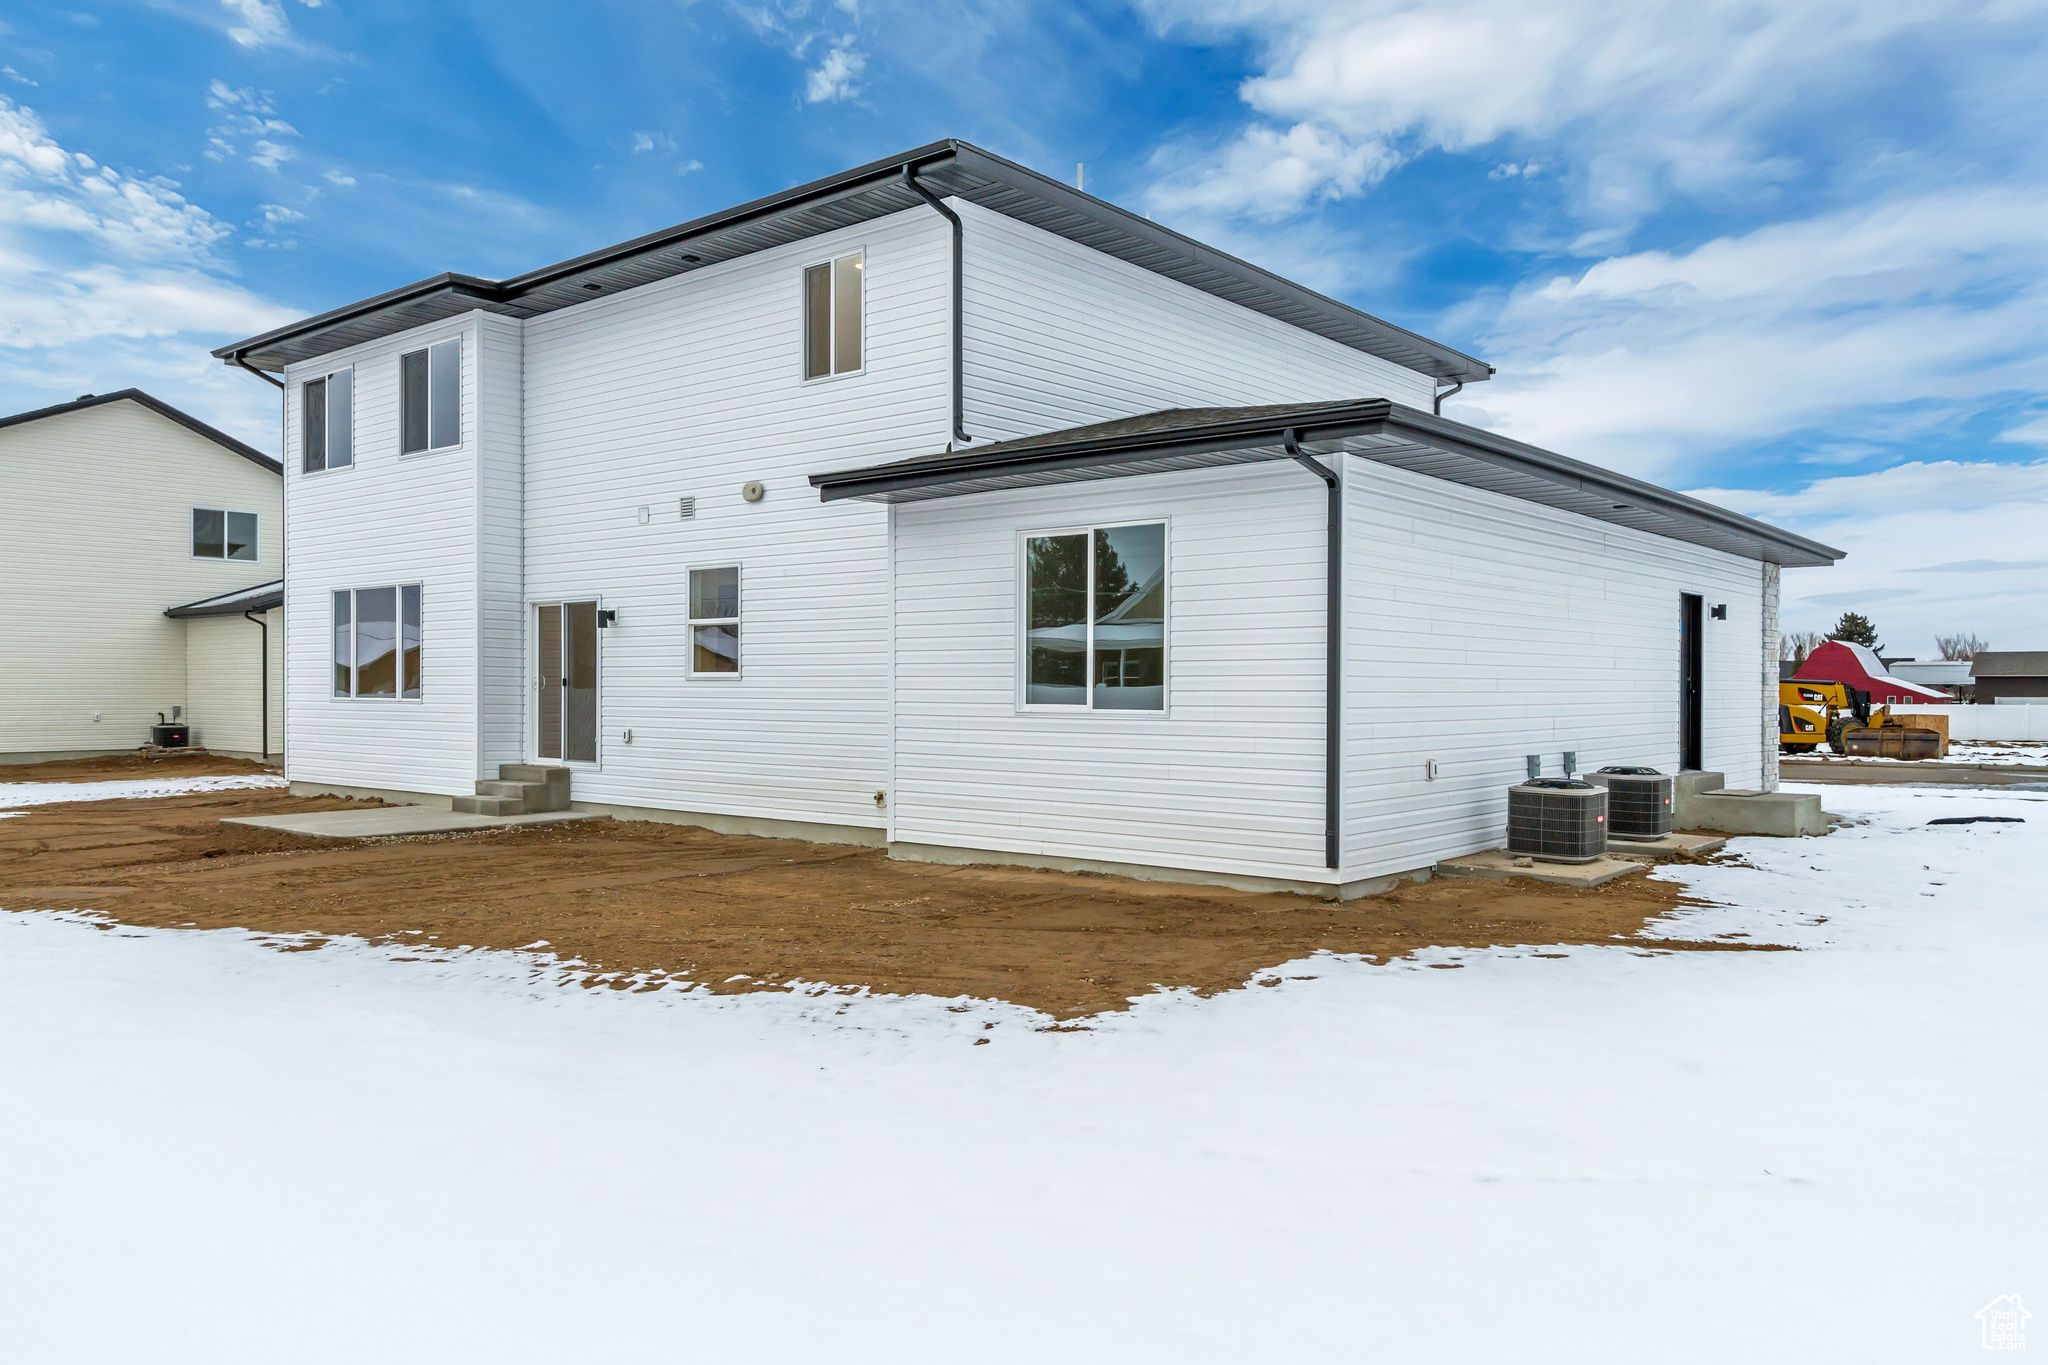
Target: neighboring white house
115,511
942,505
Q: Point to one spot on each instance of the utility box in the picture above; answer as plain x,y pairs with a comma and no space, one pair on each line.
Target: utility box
1557,820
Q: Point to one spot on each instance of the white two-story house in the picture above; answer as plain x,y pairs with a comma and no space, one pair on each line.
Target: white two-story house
941,505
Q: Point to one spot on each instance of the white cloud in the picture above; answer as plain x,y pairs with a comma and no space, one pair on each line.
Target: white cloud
11,74
263,23
247,113
1644,97
270,155
1854,325
2033,433
1933,547
111,279
1270,173
334,177
644,142
833,78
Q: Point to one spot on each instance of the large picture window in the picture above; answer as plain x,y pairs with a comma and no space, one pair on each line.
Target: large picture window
715,621
1095,630
377,642
430,397
327,411
218,534
832,317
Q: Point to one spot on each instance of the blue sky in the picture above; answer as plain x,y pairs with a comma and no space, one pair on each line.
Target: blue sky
1791,256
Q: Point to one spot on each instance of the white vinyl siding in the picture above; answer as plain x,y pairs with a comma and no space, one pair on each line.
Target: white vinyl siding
1059,336
224,683
1481,628
693,387
1227,779
394,520
93,553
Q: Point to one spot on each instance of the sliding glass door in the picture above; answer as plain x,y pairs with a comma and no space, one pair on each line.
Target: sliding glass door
566,634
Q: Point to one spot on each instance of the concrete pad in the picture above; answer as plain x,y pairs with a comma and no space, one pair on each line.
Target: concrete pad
398,820
1700,802
1498,862
1670,845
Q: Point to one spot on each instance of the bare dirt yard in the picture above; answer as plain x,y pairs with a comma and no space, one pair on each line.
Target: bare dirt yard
638,897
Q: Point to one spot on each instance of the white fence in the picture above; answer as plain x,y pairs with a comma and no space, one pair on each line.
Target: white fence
2005,723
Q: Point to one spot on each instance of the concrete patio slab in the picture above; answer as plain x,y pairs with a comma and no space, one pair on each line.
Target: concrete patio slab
1498,862
398,820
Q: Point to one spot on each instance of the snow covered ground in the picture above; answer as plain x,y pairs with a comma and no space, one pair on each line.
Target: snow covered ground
14,796
214,1151
1991,752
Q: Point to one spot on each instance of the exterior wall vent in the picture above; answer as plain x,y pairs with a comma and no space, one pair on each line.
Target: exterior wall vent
1557,820
688,506
1638,802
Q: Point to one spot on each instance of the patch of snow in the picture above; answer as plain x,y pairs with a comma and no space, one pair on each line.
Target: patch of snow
217,1152
17,794
1986,752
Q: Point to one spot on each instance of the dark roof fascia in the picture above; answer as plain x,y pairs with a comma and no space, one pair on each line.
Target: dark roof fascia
1317,424
971,165
269,596
161,409
484,292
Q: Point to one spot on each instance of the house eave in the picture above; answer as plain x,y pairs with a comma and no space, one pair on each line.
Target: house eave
1375,429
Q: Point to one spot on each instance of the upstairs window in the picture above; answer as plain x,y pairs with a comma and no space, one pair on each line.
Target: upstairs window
377,642
832,317
1095,606
328,408
430,397
223,535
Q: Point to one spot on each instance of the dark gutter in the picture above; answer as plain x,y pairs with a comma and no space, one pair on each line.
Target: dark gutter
482,290
161,409
262,625
959,301
240,363
1333,655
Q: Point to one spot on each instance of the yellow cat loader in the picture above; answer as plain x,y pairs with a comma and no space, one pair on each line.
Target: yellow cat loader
1812,713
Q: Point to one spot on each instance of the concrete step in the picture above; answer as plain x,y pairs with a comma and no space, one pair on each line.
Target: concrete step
489,805
1700,801
550,780
526,791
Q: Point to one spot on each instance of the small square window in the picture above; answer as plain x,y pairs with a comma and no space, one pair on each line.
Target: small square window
218,534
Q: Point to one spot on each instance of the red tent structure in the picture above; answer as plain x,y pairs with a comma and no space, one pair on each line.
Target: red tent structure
1839,661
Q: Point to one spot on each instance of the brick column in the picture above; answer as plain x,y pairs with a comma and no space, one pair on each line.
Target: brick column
1770,768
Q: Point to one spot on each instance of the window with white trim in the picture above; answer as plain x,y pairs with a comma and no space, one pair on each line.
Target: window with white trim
1095,618
832,316
715,621
327,426
430,397
218,534
377,642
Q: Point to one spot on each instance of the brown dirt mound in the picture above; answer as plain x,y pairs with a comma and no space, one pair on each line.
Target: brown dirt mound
634,897
123,767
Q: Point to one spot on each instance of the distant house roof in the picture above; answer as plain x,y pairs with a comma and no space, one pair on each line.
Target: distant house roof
161,409
262,597
867,192
1391,433
2010,664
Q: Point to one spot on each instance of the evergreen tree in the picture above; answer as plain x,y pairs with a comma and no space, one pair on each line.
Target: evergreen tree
1855,628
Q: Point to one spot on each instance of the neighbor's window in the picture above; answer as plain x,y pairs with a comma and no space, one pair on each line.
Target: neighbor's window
328,407
377,642
832,317
223,535
1096,630
715,620
430,397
